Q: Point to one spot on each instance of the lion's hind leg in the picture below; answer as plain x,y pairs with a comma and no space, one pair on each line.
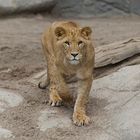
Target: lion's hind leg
44,82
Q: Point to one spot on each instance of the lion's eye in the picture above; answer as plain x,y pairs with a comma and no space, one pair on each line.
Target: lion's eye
80,44
67,43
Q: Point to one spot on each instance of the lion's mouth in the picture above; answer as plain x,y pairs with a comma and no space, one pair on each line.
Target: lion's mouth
74,61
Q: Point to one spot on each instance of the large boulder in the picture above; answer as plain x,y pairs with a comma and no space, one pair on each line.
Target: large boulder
72,8
17,6
119,96
89,8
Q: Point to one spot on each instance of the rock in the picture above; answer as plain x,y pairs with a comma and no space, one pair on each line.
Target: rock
135,6
15,6
120,115
9,99
86,8
125,79
72,8
51,118
90,8
4,133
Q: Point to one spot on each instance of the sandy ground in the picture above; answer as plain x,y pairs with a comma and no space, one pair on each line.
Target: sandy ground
21,57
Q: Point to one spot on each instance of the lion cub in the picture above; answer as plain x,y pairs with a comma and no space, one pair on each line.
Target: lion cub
68,50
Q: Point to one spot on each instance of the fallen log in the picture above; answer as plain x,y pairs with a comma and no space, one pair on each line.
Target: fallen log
116,52
109,58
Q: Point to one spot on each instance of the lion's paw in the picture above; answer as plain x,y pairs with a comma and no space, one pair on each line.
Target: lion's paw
55,100
43,84
80,119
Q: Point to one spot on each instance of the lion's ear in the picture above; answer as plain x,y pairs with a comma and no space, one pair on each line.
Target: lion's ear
86,32
60,32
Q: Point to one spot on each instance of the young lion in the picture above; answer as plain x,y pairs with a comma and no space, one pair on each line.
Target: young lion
68,50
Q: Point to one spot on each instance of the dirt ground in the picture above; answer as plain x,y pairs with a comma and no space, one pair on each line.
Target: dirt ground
21,57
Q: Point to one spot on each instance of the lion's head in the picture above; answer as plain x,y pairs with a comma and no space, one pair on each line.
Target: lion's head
73,42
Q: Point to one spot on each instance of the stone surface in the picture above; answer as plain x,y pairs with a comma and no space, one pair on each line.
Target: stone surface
9,99
4,133
125,79
14,6
113,112
72,8
113,108
127,122
52,118
120,115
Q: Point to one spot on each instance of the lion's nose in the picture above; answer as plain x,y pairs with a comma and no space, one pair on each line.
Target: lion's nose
74,54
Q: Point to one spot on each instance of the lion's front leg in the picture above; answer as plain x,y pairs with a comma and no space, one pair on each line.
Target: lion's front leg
79,116
55,80
58,92
55,99
58,89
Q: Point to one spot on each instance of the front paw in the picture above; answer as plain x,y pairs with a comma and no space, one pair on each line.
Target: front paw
55,100
80,119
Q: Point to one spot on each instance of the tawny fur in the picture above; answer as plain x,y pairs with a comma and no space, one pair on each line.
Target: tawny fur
59,42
